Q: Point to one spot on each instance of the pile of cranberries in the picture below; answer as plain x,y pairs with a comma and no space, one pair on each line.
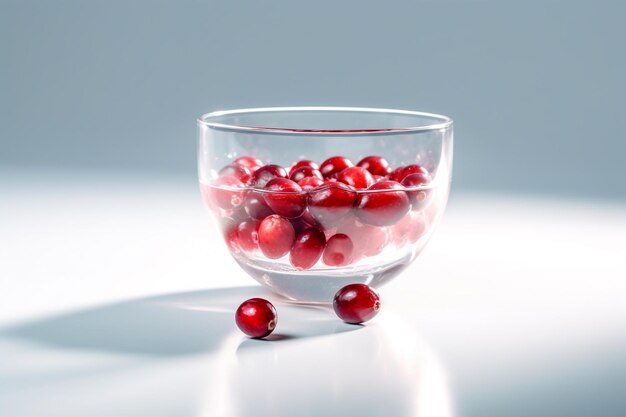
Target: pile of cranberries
354,304
336,212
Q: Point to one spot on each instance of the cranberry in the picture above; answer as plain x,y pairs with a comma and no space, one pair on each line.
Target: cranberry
334,165
383,208
357,177
303,222
308,183
400,173
418,198
256,317
339,250
368,240
303,163
231,237
248,235
378,178
329,202
224,193
308,248
286,198
256,207
276,235
356,303
304,172
242,173
266,173
376,165
249,162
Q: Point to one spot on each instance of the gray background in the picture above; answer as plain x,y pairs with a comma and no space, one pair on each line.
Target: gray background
536,88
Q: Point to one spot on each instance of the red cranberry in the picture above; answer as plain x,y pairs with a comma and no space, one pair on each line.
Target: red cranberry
308,183
266,173
231,237
256,317
334,165
256,207
224,193
418,198
368,240
339,250
242,173
308,248
329,202
304,172
248,235
356,303
303,163
249,162
378,178
383,208
303,222
409,229
400,173
376,165
357,177
276,235
286,198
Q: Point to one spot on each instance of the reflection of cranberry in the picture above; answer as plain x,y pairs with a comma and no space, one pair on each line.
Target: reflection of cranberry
383,208
285,197
276,235
308,248
266,173
225,193
249,162
356,177
368,240
376,165
303,163
409,229
334,165
242,173
304,172
329,202
356,303
418,198
339,250
256,317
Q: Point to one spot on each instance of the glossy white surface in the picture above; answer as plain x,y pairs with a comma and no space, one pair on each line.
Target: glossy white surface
117,299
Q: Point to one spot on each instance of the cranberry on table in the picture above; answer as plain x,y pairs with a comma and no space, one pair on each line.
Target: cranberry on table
256,207
308,183
276,236
225,193
356,303
303,163
334,165
256,317
242,173
339,251
285,197
357,177
381,207
248,235
330,202
376,165
249,162
418,198
264,174
304,172
308,248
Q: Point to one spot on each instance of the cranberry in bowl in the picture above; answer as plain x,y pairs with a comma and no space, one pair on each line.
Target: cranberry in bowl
311,199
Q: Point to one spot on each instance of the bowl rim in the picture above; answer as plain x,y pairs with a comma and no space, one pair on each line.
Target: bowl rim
440,122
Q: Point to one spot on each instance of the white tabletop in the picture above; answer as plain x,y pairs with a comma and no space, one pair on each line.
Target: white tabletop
117,299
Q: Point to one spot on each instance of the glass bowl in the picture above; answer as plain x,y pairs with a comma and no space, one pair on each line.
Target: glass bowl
310,199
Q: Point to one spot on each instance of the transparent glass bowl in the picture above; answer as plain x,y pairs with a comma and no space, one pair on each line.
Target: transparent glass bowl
341,228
